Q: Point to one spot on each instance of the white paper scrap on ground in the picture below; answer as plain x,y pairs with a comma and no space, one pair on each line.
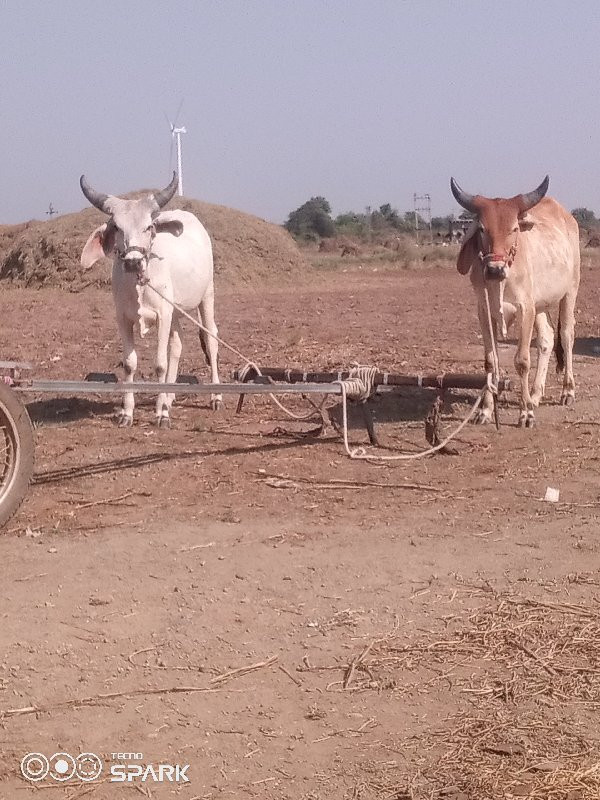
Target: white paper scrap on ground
551,495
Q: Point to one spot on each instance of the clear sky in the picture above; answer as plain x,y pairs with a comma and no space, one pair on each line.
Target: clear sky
361,101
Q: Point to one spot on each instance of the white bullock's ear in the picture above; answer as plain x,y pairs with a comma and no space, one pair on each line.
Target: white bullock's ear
526,222
172,226
101,243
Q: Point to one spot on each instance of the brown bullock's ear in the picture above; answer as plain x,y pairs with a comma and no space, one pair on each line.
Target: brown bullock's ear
526,222
468,254
101,243
172,226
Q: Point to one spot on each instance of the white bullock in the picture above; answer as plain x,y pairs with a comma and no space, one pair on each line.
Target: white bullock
170,250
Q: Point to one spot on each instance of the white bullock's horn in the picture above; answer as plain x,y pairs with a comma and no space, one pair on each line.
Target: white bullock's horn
162,198
97,199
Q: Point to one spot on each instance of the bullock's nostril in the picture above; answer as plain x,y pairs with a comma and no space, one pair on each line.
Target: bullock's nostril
496,272
132,264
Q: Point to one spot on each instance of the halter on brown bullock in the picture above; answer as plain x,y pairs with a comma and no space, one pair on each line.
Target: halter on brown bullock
496,220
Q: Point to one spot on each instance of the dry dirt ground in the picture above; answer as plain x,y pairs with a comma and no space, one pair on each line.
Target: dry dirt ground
162,593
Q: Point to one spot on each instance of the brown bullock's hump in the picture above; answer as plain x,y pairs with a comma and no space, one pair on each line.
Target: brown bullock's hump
548,211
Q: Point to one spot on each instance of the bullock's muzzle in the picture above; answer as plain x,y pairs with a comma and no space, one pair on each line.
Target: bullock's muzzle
134,261
495,270
131,264
496,265
134,266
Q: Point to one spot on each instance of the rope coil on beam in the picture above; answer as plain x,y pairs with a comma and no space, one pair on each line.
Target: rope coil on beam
360,384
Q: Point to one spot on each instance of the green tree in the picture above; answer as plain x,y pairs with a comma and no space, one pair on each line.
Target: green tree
352,224
409,221
442,222
390,215
312,217
585,217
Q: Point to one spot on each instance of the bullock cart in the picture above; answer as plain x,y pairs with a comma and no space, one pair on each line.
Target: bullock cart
16,431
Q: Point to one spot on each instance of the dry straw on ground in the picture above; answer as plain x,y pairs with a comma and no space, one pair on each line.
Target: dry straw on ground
525,676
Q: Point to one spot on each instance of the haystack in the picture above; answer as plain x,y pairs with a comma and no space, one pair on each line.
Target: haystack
246,248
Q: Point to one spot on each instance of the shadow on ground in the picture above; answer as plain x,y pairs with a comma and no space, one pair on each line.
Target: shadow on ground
587,346
68,409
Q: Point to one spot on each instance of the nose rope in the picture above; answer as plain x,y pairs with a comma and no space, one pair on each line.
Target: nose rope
493,377
486,258
144,251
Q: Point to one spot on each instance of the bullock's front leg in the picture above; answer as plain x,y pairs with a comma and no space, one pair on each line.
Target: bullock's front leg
129,366
526,316
211,346
545,341
175,348
162,355
486,409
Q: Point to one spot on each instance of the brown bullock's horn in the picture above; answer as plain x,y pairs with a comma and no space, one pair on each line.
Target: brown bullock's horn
529,200
162,198
462,198
96,198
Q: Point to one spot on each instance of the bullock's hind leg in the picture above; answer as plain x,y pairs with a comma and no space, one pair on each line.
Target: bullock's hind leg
175,348
545,341
125,419
566,331
210,344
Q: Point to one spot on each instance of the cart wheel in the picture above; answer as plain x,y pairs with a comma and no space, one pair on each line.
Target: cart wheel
16,452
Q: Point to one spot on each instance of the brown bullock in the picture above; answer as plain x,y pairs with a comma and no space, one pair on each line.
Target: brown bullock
525,250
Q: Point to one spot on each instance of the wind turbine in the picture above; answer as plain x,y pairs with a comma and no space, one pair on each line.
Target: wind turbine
176,134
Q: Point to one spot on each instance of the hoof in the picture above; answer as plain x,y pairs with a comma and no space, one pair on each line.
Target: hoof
124,421
217,404
567,400
163,422
527,420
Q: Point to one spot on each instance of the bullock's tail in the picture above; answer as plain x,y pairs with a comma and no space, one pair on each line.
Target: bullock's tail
558,348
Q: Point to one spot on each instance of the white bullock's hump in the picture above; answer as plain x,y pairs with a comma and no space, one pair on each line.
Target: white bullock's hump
185,217
192,227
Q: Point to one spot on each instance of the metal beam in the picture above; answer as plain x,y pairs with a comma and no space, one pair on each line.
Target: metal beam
15,365
93,387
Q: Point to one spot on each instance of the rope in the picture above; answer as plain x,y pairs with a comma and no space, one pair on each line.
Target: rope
360,385
249,364
495,374
361,452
